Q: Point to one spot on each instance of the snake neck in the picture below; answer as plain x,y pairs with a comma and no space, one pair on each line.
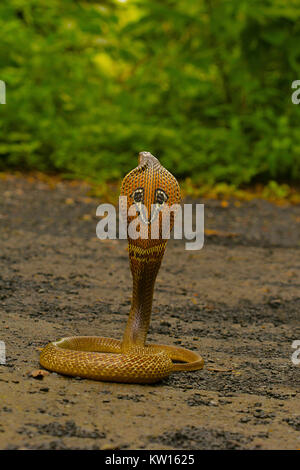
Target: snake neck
144,264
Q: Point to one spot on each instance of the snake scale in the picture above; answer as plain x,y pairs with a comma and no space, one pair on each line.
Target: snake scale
131,360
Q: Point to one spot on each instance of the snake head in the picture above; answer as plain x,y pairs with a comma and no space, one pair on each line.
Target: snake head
150,190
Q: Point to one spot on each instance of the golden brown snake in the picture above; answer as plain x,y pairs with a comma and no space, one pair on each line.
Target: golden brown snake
149,185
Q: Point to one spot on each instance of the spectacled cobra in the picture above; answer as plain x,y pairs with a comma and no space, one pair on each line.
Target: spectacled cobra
131,360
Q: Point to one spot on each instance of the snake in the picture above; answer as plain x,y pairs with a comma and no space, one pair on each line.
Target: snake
151,189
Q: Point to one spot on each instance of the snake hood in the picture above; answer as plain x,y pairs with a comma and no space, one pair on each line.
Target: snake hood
150,189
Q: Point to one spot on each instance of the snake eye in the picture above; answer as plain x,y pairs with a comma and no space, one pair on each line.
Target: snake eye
160,197
138,195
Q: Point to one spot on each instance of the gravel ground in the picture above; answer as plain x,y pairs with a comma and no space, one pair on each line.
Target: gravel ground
236,301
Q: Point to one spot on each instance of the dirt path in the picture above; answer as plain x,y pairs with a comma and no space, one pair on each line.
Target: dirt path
236,301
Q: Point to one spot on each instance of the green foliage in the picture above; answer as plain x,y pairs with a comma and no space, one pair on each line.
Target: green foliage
205,86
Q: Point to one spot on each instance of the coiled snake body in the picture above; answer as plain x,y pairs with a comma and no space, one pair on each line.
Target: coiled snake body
148,186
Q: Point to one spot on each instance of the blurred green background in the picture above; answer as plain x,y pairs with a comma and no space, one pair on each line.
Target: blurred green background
204,85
